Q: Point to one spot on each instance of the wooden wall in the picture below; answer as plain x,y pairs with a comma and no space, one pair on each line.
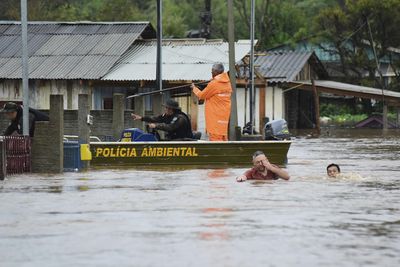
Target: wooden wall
40,91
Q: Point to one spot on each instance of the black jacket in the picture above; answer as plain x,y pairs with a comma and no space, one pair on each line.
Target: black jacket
177,126
16,125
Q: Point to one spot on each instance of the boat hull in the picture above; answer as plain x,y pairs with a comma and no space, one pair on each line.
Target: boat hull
200,153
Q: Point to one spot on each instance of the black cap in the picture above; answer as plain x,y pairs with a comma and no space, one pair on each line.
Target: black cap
172,104
9,107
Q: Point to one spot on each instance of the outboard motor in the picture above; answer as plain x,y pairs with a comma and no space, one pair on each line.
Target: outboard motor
276,130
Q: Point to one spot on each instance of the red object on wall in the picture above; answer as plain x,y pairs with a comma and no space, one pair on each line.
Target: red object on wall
18,154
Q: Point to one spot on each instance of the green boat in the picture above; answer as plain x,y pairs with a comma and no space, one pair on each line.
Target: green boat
195,153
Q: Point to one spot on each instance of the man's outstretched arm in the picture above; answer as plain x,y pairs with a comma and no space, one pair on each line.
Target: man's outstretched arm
278,171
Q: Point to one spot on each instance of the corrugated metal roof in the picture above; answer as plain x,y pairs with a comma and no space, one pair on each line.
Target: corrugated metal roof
281,66
3,28
63,50
34,63
185,59
5,41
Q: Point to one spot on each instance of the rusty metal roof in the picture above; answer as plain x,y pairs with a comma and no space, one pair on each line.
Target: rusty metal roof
68,50
279,67
183,59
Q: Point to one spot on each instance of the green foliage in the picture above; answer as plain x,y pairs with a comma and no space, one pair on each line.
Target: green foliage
338,22
347,119
277,21
329,110
356,28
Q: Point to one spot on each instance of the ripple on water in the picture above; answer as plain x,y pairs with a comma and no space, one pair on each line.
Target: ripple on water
156,217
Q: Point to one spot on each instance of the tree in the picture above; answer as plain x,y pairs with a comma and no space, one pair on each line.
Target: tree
356,29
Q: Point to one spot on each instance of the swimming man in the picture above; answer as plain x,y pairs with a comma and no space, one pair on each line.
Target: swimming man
263,170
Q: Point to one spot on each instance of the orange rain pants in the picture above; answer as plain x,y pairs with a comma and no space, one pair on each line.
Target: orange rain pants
217,137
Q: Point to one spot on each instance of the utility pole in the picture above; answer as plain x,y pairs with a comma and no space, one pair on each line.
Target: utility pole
25,67
206,19
382,82
252,91
159,99
233,121
159,46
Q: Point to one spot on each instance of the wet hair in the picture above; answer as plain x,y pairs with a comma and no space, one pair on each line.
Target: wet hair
333,165
257,153
218,67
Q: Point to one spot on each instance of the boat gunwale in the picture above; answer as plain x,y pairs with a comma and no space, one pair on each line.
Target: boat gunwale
193,142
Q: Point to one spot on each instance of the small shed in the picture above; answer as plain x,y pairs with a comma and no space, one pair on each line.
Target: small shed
278,69
295,83
374,122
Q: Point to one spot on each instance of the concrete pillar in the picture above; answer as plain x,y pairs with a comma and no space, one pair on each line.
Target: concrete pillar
57,125
69,94
3,160
47,146
398,117
385,116
118,123
83,127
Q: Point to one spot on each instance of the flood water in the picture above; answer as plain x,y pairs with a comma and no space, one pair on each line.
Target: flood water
204,218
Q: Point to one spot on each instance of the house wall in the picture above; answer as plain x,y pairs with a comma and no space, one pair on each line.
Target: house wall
300,108
40,91
103,92
243,107
102,122
201,121
274,103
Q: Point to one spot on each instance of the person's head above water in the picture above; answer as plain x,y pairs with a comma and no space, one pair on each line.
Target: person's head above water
217,69
333,170
258,160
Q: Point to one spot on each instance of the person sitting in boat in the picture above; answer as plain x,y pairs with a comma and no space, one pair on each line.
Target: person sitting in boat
263,170
174,122
333,170
217,96
14,112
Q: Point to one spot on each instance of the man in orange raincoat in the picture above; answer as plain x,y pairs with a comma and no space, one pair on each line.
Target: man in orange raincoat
217,96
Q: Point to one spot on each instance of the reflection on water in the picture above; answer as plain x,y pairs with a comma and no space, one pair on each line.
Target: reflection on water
163,217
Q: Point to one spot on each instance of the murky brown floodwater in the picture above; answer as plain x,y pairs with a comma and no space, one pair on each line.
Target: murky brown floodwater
204,218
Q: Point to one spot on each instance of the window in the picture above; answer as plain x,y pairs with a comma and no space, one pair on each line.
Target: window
108,103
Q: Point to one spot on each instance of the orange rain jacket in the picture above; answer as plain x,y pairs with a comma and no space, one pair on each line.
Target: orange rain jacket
217,96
